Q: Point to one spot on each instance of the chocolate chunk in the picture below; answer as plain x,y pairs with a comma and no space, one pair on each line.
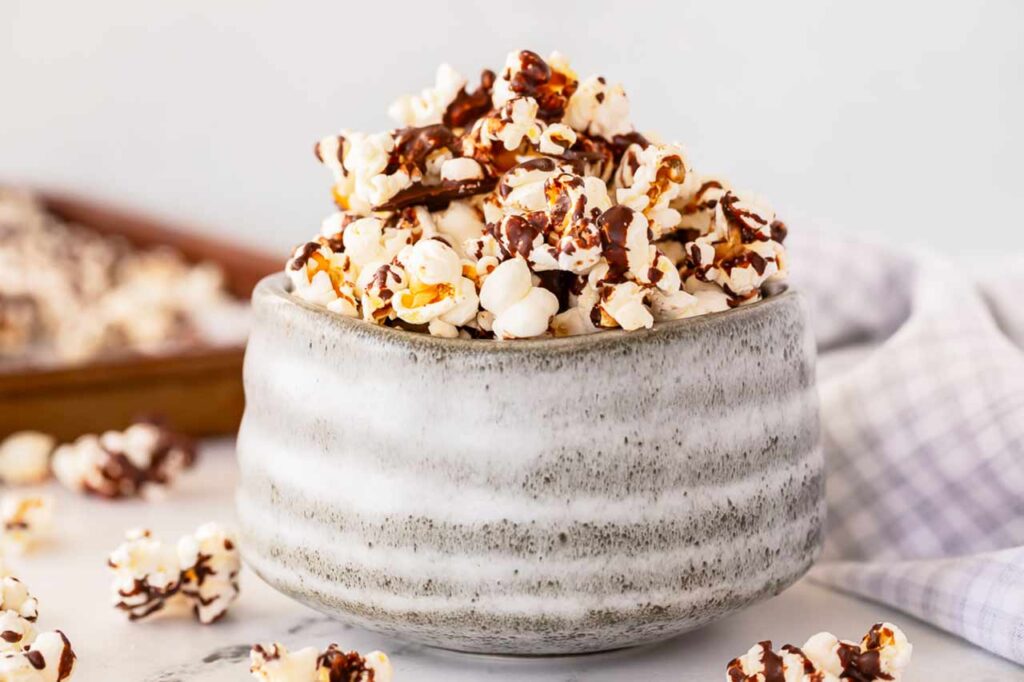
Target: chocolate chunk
437,197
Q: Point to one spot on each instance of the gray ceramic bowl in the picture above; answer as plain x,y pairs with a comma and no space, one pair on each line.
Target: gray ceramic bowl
530,497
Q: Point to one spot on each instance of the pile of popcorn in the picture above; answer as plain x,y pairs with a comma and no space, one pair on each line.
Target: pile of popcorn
139,461
68,293
883,654
274,663
201,571
25,655
529,206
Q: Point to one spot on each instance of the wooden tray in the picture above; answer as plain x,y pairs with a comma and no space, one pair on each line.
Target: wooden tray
199,392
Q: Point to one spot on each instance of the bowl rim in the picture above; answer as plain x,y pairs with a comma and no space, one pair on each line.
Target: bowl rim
275,286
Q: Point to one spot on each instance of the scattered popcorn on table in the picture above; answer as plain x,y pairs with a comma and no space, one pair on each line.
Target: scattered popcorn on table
19,611
48,659
537,180
69,294
202,572
24,655
210,563
883,654
274,663
142,459
25,457
27,520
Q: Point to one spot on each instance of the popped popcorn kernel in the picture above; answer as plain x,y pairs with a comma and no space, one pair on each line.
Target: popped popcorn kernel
25,457
27,520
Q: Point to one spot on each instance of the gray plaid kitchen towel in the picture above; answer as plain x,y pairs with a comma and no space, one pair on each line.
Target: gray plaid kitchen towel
921,375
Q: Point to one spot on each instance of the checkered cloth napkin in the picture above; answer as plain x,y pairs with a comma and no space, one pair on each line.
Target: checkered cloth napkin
921,376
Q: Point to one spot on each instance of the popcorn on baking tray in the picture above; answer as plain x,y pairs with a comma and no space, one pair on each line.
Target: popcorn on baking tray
274,663
201,571
536,181
25,654
69,293
883,654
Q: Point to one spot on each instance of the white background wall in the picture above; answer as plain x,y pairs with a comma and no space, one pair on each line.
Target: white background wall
897,119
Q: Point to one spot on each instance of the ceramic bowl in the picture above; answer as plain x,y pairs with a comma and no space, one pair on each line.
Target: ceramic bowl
531,497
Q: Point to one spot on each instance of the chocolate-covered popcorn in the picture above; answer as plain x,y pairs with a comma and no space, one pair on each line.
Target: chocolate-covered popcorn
883,654
210,563
26,656
143,458
47,659
200,572
602,227
274,663
19,611
27,520
146,574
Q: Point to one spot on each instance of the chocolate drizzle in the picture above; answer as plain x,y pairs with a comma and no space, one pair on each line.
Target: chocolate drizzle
535,78
747,222
342,666
300,259
35,658
467,106
67,659
437,197
860,666
614,228
521,231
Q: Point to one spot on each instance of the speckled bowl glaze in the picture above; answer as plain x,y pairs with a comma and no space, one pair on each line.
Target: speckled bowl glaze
530,497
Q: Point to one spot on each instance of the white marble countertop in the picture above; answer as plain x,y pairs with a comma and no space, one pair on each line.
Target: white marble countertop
70,578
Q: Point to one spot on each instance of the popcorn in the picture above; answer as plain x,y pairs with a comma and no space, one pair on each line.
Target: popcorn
210,563
201,571
739,252
48,659
15,598
557,139
536,181
520,309
318,275
697,203
146,574
335,665
18,613
430,106
16,632
599,110
25,457
652,184
24,654
883,654
438,294
274,663
143,458
27,520
551,84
